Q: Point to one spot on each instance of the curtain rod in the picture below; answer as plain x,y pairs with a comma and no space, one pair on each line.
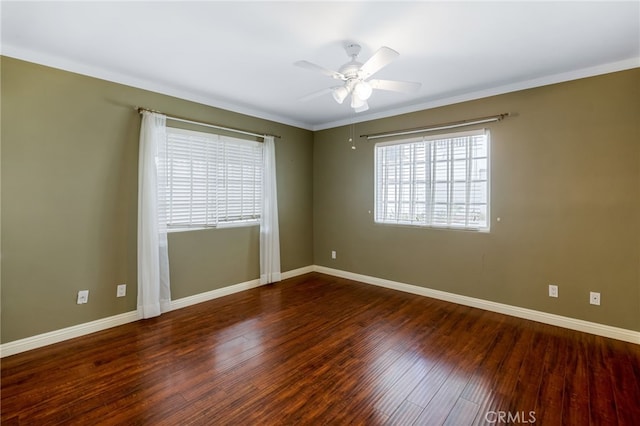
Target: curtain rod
435,127
200,123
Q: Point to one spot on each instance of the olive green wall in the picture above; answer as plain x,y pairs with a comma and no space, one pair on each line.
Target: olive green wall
565,181
69,200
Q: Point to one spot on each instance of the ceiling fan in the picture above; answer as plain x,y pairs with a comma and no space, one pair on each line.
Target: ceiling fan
355,76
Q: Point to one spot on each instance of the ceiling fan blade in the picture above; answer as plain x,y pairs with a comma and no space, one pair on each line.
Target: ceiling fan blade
315,94
313,67
381,58
395,86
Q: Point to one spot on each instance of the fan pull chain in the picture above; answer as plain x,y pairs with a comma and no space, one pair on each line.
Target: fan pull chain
351,137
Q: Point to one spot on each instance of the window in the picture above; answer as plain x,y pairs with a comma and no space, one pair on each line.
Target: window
211,180
440,181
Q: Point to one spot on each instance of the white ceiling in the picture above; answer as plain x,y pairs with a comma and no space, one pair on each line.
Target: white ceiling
240,55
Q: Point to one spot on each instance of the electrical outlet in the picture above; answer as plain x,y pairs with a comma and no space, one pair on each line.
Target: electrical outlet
333,254
553,290
594,298
83,297
122,290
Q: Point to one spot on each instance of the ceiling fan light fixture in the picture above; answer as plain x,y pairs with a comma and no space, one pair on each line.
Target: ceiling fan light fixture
361,108
340,94
354,75
363,90
356,101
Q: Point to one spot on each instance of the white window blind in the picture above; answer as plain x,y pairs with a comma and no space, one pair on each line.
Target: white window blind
441,181
212,180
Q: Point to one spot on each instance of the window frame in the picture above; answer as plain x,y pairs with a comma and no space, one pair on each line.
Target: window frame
429,185
214,138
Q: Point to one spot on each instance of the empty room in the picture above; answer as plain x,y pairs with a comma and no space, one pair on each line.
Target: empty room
320,213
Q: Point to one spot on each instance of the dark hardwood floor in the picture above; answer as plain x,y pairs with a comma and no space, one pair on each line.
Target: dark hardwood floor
321,350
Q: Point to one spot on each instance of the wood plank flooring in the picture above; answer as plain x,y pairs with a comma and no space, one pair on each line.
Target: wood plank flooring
321,350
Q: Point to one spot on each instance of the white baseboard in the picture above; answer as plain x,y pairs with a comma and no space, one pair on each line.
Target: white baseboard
515,311
297,272
225,291
49,338
40,340
213,294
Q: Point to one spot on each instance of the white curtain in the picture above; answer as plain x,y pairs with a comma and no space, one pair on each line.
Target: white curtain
269,230
154,295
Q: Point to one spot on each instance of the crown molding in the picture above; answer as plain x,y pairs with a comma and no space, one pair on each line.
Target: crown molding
170,90
485,93
64,64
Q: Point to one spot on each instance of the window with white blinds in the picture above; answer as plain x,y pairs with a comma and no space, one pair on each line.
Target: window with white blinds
211,180
440,181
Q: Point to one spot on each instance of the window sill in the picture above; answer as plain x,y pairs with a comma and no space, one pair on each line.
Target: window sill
222,226
437,228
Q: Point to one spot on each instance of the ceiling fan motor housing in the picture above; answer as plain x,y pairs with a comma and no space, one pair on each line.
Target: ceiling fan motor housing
353,50
351,68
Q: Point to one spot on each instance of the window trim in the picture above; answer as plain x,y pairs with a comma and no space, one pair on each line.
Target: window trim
413,139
